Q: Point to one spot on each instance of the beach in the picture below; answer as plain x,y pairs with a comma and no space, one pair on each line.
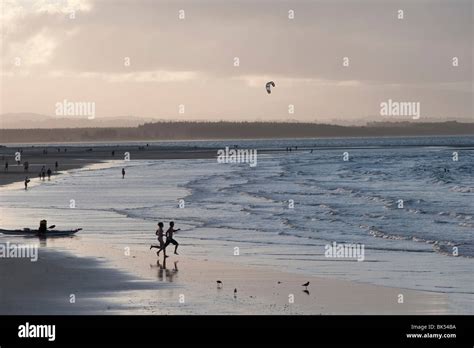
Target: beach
73,157
137,284
236,228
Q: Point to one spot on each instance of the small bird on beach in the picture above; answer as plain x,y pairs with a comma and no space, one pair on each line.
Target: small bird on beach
305,284
219,284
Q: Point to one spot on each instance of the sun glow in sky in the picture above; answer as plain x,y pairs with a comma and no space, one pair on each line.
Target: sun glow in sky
144,58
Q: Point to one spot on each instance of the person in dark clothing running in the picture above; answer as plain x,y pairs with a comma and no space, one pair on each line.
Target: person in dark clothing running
169,238
123,173
160,233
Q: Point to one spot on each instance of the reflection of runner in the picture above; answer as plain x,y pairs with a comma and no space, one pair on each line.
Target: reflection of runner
169,237
159,233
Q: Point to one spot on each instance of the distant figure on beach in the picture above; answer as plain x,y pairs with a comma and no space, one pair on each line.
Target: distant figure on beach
6,166
123,173
43,175
160,233
26,183
25,166
169,238
113,153
49,173
56,165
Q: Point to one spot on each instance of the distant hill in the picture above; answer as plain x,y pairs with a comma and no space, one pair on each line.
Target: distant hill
27,120
230,130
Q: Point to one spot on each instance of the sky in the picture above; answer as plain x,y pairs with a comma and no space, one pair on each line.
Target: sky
177,60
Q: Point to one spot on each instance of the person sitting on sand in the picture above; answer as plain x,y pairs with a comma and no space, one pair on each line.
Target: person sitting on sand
159,232
169,238
43,227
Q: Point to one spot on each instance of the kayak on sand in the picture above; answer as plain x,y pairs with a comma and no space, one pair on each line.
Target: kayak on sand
29,232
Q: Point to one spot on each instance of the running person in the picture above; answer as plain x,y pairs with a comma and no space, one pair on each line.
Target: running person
169,238
159,232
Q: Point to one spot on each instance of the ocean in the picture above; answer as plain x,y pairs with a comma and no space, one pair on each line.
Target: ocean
408,201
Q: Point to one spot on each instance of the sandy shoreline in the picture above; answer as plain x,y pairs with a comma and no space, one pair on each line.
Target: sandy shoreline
61,283
139,283
79,156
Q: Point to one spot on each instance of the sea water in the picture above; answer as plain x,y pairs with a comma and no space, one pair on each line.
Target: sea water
406,200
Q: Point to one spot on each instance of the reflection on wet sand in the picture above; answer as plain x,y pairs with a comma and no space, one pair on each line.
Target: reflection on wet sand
165,274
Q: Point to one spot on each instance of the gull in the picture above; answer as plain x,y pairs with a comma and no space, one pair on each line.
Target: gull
305,284
219,284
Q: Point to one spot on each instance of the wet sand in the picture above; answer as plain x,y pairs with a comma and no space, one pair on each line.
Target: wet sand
140,283
72,157
61,283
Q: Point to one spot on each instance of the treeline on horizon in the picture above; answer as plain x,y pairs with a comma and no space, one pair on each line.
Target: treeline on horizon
231,130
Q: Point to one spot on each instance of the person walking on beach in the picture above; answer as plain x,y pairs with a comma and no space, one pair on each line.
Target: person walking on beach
160,233
26,183
49,174
6,166
169,238
56,165
123,173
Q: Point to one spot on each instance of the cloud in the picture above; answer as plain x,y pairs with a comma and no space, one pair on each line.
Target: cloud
257,81
38,49
303,55
141,76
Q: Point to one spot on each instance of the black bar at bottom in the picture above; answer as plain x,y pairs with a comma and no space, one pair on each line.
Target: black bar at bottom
430,331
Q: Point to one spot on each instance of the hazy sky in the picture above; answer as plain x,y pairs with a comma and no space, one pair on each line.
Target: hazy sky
190,61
